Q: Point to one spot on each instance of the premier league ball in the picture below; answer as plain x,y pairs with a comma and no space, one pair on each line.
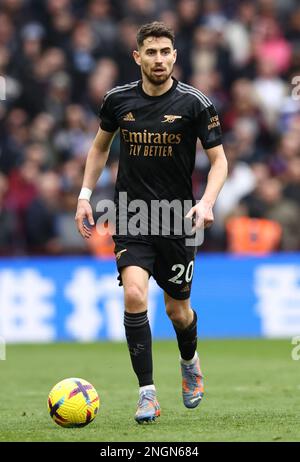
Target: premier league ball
73,403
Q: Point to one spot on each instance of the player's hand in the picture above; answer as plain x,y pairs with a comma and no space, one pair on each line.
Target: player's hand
84,213
202,214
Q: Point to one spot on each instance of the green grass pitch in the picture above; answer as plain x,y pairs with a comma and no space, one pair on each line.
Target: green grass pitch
252,392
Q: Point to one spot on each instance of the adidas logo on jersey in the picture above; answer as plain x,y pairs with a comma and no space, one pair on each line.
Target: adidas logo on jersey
129,117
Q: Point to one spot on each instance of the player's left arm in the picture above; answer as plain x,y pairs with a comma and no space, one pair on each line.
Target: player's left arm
203,210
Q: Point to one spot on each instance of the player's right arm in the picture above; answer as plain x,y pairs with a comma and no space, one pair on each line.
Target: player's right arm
95,163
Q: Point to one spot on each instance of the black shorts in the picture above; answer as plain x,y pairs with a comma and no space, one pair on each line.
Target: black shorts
169,261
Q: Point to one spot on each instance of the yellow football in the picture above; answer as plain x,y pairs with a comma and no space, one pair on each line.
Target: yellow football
73,403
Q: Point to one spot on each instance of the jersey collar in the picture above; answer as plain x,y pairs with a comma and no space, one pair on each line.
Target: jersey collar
141,91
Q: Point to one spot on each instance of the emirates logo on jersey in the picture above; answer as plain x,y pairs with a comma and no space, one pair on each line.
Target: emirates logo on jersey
129,117
171,118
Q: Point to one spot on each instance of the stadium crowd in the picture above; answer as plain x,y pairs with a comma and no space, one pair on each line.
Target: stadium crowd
59,57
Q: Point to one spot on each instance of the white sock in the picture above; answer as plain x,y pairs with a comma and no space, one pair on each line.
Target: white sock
147,387
190,361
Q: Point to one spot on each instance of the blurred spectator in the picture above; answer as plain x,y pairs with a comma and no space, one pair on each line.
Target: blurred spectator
270,91
245,133
241,181
292,188
13,140
237,33
36,84
290,108
42,127
13,87
188,12
73,140
40,220
7,32
128,70
288,148
12,7
209,52
22,191
27,57
141,11
7,221
37,155
59,95
243,106
293,31
71,175
269,44
99,15
104,76
69,239
60,21
210,84
268,201
82,57
256,236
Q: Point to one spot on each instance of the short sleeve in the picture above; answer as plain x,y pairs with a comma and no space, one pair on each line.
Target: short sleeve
108,121
209,128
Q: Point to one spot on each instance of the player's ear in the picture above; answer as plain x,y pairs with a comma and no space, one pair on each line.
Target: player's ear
136,57
174,56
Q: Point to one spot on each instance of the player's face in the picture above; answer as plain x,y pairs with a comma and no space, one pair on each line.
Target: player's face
156,58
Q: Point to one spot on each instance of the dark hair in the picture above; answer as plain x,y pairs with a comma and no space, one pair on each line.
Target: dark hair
154,29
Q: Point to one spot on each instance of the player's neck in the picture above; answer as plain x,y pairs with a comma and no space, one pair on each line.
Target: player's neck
156,90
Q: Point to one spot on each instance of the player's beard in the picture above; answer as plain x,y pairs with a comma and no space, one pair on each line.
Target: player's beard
158,79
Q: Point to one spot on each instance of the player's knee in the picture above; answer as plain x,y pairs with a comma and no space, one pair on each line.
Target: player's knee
178,317
135,298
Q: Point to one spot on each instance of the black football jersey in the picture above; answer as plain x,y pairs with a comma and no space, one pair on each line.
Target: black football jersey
158,136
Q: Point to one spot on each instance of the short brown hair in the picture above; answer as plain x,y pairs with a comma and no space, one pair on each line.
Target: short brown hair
154,29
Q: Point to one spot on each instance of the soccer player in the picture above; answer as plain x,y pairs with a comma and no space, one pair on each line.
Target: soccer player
159,119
